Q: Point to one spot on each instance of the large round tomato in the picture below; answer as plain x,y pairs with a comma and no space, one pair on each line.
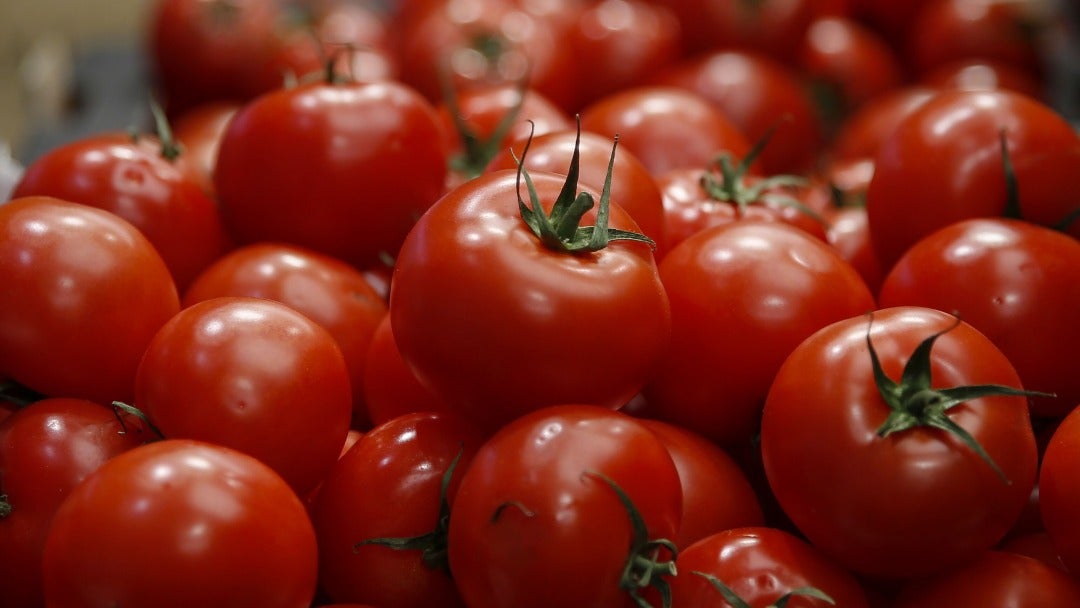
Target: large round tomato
46,449
389,488
84,292
1059,496
253,375
994,580
499,322
1016,282
743,295
391,389
178,524
563,507
343,169
880,460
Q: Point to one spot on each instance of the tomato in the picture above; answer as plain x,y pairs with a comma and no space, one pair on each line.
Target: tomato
391,389
760,565
199,131
743,295
499,321
620,43
46,449
333,294
911,486
716,494
665,127
181,523
984,74
136,181
774,27
757,94
253,375
632,186
944,163
1058,492
1036,545
849,234
343,169
862,134
85,292
573,493
1017,283
994,580
389,486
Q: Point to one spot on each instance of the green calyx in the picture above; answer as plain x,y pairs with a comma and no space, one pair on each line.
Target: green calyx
476,151
431,545
5,506
725,181
644,567
735,601
913,403
21,396
120,409
562,230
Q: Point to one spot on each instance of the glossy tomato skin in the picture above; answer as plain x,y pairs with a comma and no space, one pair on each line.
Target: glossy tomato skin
760,565
716,494
665,127
133,180
866,129
46,449
199,131
343,169
1058,492
86,291
632,186
328,291
253,375
943,164
868,501
1017,283
181,523
995,579
498,324
742,296
391,389
530,509
388,486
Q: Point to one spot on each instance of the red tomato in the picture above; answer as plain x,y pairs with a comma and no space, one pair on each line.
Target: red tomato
84,294
1059,495
760,565
632,186
716,494
199,131
851,60
1036,545
943,163
773,27
743,295
849,234
488,320
343,169
133,179
851,469
389,486
976,74
576,494
391,389
253,375
757,94
46,449
333,294
177,524
1017,283
994,580
665,127
863,133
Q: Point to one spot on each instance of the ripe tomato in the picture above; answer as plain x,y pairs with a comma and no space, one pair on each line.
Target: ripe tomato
773,27
199,130
46,449
760,565
665,127
1058,492
135,180
181,523
743,295
851,61
253,375
391,389
84,294
344,169
944,163
484,310
1017,283
995,579
975,74
546,499
851,469
390,486
864,131
326,290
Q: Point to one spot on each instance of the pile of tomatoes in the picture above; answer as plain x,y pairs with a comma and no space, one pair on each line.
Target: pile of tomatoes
513,303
